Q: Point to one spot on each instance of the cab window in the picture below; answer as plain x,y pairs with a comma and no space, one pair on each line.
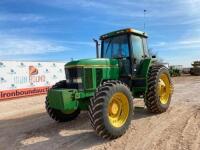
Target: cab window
137,45
115,47
146,52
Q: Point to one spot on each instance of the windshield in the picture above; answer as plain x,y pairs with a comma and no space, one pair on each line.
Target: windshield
115,47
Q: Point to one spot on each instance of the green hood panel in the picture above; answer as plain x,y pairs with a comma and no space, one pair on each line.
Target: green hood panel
96,63
94,71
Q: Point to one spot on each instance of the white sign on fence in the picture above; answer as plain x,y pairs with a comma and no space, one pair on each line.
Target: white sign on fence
19,79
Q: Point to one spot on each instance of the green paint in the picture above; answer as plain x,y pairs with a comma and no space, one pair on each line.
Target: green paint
142,74
144,68
94,72
67,99
62,99
94,63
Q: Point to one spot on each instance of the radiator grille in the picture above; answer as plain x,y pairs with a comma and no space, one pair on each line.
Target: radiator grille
88,78
99,74
73,73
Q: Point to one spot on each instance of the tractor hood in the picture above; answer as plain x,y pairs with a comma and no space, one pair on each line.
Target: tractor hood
93,63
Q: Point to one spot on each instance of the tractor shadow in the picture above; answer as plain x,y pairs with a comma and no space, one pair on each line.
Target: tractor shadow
38,131
141,112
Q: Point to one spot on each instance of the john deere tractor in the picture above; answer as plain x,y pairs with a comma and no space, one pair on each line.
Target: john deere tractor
196,68
107,85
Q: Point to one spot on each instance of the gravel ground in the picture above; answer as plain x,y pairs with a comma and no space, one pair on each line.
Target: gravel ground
24,124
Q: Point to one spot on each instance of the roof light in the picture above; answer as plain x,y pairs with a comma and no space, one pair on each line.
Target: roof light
129,30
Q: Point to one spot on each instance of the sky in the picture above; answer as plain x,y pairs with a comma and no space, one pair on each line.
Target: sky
59,30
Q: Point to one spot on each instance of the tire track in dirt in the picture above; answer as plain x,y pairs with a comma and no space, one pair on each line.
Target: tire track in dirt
164,131
189,137
173,137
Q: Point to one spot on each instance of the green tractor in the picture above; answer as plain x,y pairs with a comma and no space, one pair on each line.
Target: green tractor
175,71
107,85
195,71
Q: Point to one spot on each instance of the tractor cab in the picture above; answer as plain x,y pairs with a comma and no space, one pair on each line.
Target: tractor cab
129,47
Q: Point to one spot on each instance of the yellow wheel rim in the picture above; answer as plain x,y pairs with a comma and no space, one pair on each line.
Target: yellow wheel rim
164,88
118,109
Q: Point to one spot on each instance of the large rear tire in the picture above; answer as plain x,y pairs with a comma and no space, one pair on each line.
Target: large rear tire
159,89
59,115
110,110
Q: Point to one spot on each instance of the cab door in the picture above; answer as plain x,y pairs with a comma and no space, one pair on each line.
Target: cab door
137,52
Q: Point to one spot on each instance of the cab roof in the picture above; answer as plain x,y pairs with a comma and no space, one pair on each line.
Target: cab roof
123,31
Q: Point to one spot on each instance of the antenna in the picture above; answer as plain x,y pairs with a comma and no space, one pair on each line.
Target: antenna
145,19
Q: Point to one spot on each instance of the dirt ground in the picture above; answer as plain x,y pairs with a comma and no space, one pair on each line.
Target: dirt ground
24,124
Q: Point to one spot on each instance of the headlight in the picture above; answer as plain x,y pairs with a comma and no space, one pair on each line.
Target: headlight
77,80
67,80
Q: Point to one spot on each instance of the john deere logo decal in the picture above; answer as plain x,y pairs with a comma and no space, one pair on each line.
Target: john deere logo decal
33,75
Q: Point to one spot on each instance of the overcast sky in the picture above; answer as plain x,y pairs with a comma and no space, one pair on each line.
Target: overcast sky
63,29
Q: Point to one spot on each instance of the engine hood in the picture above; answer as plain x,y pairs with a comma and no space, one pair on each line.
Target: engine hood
93,63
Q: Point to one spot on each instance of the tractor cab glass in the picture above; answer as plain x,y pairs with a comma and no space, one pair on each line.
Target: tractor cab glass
138,48
129,49
115,47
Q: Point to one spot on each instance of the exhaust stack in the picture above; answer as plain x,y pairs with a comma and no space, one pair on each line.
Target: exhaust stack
97,47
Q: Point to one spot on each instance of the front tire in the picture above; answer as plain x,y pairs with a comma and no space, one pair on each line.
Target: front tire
59,115
159,89
110,110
